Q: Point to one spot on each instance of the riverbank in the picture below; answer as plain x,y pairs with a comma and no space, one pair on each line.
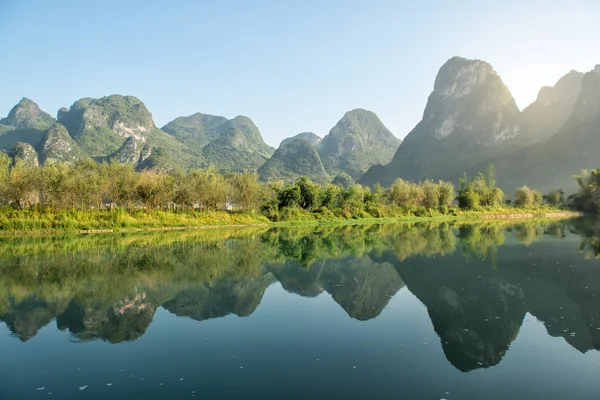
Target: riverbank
50,222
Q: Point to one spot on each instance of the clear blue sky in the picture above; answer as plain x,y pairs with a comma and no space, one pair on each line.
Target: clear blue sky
290,65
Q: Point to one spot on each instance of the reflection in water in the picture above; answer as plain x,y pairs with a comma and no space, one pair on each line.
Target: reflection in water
476,294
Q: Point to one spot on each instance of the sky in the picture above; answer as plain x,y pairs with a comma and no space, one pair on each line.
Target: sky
291,66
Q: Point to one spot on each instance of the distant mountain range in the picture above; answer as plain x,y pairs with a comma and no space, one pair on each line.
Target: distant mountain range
470,121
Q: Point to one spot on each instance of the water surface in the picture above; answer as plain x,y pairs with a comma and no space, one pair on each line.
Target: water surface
426,311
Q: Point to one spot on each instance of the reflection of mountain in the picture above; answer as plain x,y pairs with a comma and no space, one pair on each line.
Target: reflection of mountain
25,318
238,296
475,311
360,286
477,282
125,320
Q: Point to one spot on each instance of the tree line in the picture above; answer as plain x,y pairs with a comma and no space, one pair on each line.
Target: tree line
88,185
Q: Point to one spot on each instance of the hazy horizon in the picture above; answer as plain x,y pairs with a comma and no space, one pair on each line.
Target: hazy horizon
291,68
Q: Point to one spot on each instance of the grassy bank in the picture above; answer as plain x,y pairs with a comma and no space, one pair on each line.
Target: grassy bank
47,221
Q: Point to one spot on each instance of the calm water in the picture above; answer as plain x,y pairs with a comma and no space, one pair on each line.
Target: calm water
396,311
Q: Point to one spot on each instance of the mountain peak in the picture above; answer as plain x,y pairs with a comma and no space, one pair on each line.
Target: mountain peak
26,114
310,137
469,99
356,142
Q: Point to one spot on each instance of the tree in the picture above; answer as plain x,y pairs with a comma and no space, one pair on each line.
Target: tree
524,197
587,198
555,197
446,193
23,187
431,194
310,194
290,197
247,191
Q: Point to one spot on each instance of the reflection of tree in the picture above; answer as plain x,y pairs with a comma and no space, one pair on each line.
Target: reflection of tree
589,230
481,239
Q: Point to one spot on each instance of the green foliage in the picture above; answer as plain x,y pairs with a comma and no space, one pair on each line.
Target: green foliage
525,197
587,198
344,180
480,192
555,197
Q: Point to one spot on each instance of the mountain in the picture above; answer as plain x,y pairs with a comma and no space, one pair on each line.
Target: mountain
228,145
25,123
100,126
239,146
358,141
58,146
120,127
469,115
197,130
553,163
553,106
292,160
310,137
27,115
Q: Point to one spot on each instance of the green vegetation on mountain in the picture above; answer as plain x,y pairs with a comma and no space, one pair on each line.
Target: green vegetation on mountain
239,147
27,115
292,160
25,123
197,130
358,141
310,137
228,145
344,180
100,126
121,128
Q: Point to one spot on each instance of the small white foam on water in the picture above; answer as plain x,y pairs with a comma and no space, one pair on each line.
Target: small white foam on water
41,388
83,387
109,384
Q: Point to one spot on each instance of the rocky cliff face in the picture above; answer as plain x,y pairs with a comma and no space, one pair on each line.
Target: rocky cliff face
470,117
58,146
25,153
100,126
